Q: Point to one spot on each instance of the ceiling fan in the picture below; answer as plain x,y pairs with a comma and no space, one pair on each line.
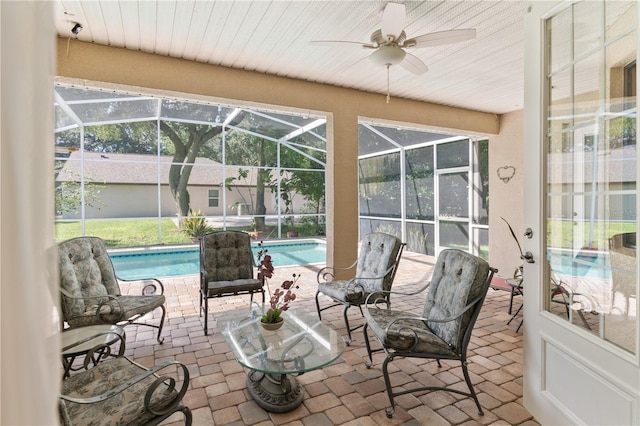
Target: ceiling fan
390,41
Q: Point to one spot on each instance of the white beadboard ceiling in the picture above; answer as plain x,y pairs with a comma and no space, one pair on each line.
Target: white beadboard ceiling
273,37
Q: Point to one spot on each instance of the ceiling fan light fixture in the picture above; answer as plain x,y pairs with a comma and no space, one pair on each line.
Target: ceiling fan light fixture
388,55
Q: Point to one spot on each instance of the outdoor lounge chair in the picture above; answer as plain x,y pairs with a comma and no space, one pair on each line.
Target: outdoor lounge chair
90,289
119,391
454,297
374,271
226,268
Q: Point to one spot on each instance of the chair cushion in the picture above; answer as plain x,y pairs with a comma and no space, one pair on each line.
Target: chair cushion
227,256
345,291
132,305
378,252
126,408
405,335
219,288
85,271
458,278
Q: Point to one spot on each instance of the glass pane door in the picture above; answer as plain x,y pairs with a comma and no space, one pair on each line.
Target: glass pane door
591,201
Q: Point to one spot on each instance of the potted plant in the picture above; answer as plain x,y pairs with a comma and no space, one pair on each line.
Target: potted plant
281,298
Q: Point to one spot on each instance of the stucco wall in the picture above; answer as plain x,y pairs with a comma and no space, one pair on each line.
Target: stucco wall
83,62
118,200
506,197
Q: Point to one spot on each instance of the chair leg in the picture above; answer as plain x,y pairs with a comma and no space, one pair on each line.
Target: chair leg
387,381
164,314
511,300
369,363
318,306
188,417
206,315
472,391
346,321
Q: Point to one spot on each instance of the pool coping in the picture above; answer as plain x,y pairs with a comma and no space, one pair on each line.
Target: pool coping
190,247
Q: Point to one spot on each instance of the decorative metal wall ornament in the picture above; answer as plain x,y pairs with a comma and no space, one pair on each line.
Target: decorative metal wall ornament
505,173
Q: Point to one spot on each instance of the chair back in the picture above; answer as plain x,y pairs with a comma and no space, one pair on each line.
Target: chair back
622,257
226,256
458,279
378,253
85,271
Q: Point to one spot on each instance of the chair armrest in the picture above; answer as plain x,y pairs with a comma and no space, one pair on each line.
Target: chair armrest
400,293
148,289
412,334
447,319
111,307
329,272
165,405
355,290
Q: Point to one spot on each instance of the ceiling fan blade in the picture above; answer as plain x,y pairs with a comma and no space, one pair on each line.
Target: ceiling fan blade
393,20
344,42
414,64
441,37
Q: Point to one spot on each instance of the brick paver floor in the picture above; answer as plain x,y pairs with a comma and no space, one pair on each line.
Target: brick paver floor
345,392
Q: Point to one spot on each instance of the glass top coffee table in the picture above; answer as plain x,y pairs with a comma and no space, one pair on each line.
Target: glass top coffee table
302,344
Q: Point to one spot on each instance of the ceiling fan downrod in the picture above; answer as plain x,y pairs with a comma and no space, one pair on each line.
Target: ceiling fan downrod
388,95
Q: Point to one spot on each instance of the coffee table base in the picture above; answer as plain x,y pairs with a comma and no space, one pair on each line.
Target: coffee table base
276,393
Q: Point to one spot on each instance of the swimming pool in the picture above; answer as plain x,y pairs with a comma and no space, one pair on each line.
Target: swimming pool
594,264
170,262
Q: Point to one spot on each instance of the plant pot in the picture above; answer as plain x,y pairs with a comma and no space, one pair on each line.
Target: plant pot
292,234
272,325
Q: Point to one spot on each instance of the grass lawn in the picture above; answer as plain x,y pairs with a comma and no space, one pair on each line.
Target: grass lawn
124,233
120,233
564,233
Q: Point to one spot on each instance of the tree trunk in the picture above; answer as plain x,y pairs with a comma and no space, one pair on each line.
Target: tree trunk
184,157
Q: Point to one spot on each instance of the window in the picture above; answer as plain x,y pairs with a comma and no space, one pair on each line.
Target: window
214,197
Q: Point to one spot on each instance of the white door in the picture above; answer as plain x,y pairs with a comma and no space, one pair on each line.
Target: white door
580,318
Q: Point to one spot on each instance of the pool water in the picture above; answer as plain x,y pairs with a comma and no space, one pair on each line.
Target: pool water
583,264
136,264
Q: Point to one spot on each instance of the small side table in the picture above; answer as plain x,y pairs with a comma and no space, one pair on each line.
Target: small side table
80,340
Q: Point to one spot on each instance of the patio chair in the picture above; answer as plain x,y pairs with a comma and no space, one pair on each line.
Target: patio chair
374,271
119,391
90,290
226,268
454,297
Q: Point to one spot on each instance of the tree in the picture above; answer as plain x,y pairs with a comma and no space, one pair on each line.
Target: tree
187,140
246,149
68,194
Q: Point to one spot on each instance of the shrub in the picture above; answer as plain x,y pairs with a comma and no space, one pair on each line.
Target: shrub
195,225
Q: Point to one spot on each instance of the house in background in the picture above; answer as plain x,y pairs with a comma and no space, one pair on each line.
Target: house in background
126,185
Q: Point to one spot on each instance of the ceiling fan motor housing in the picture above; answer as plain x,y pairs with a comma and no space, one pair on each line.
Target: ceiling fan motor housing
388,55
